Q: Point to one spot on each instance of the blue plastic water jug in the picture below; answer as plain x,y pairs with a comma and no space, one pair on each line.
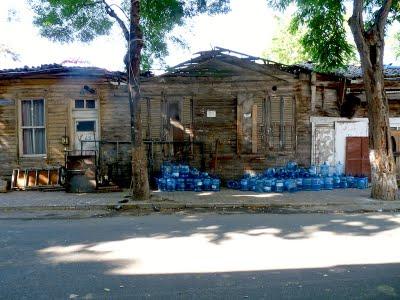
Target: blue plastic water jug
313,170
336,181
279,186
252,183
162,184
267,185
299,183
180,184
232,184
189,184
291,185
291,166
184,171
244,184
207,184
328,183
269,173
362,183
351,183
307,184
215,185
324,169
166,169
194,173
171,184
315,184
259,187
198,185
339,169
343,182
175,171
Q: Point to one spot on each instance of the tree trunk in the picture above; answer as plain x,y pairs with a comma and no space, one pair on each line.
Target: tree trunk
370,46
383,167
140,179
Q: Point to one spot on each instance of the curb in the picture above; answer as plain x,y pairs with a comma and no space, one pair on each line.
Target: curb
168,207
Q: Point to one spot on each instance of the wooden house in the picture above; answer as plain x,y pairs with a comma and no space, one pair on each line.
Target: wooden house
250,113
222,111
48,111
247,112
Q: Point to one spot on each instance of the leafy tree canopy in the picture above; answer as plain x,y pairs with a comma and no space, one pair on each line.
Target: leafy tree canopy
286,46
83,20
325,36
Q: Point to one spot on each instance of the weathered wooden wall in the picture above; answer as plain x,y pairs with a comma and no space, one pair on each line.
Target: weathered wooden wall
58,95
246,121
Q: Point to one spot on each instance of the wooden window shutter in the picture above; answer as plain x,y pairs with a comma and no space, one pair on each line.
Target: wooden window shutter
275,117
239,116
144,117
254,135
289,126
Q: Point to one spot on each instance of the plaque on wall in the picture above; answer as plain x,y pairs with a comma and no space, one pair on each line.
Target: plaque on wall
211,113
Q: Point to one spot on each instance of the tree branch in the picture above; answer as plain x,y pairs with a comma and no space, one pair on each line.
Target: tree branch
382,15
356,23
120,22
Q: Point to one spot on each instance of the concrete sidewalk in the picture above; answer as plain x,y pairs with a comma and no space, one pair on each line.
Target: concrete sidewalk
348,200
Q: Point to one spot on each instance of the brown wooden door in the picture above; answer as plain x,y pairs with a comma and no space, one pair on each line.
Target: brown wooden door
357,156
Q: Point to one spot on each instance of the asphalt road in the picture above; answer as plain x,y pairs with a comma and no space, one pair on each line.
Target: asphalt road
202,256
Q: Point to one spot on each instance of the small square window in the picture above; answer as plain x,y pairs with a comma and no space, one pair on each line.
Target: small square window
90,104
79,103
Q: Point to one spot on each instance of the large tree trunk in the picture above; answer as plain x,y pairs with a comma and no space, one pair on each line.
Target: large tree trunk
370,45
383,167
139,160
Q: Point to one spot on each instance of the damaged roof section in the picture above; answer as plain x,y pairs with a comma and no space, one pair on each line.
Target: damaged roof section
355,72
60,70
218,63
221,62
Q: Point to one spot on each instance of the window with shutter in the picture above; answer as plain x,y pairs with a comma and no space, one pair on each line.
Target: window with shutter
280,115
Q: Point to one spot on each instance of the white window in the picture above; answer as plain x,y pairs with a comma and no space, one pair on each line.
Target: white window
85,104
33,131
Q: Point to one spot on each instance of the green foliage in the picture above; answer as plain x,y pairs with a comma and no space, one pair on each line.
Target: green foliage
70,20
324,39
83,20
286,46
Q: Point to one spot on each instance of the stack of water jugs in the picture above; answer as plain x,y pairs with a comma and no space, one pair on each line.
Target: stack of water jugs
291,178
181,177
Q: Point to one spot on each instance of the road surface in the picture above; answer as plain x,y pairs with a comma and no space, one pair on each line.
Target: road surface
202,256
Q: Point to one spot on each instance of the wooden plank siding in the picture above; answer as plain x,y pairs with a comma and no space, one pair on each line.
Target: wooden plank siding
58,95
262,119
221,96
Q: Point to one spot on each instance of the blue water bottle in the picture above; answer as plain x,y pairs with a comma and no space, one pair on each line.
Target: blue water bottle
215,185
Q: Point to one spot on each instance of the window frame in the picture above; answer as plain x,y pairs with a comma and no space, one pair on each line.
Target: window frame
21,128
85,108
